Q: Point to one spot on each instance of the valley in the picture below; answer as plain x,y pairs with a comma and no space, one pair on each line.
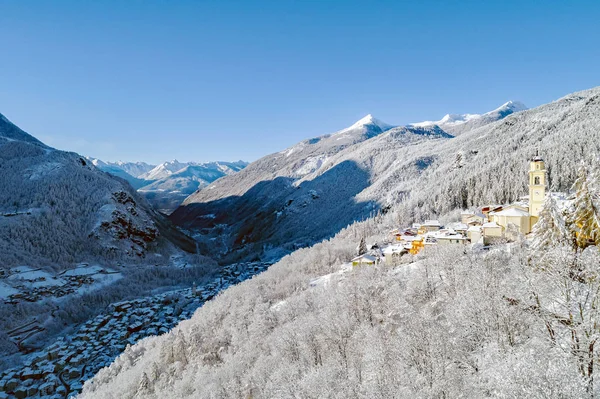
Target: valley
61,367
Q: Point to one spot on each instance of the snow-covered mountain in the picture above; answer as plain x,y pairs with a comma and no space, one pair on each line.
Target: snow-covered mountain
311,190
168,192
56,208
292,197
135,169
457,124
165,169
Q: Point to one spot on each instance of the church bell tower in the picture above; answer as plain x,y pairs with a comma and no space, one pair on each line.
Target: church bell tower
537,186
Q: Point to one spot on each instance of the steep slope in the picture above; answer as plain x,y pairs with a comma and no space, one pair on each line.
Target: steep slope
458,124
290,199
56,208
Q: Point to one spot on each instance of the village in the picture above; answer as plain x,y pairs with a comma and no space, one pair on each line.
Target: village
59,370
24,283
486,226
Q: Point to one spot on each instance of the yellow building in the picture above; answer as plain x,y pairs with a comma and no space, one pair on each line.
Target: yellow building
519,217
417,246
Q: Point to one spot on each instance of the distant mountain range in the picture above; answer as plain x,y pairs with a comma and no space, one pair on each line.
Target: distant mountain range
166,185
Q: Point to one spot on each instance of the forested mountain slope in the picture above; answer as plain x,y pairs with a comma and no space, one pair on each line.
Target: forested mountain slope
56,208
292,198
310,191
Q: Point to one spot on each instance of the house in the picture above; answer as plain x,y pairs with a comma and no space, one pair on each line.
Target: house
416,246
365,259
473,219
474,234
452,239
492,232
429,226
392,253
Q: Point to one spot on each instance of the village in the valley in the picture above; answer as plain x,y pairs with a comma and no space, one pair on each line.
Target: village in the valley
59,370
486,226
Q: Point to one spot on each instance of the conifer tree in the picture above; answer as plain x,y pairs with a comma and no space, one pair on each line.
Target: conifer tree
362,247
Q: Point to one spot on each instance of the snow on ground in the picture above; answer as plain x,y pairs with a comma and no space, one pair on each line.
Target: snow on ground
84,270
326,280
6,290
100,280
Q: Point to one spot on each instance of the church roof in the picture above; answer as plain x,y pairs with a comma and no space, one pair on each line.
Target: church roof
512,212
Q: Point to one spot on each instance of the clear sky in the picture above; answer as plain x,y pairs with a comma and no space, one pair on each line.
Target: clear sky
229,80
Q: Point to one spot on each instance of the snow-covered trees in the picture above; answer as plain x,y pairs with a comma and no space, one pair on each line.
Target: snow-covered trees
450,324
550,230
584,217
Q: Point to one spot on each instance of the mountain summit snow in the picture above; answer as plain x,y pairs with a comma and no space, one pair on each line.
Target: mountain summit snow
457,124
368,122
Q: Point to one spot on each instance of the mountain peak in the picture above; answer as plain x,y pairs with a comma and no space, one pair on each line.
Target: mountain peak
514,106
368,121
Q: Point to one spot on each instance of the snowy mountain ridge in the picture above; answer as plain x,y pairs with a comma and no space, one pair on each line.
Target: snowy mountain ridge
166,185
459,123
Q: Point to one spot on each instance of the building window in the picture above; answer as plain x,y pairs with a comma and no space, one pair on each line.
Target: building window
536,180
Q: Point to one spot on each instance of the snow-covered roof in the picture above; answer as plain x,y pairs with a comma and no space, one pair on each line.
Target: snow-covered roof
452,237
432,223
366,257
459,226
391,249
490,225
512,212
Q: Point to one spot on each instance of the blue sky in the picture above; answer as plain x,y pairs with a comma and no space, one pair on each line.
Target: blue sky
228,80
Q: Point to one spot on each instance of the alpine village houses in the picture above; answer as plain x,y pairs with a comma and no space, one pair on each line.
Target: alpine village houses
486,226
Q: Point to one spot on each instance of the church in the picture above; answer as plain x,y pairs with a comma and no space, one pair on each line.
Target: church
520,217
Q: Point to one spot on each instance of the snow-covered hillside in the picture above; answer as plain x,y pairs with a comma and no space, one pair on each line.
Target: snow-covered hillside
269,198
56,208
